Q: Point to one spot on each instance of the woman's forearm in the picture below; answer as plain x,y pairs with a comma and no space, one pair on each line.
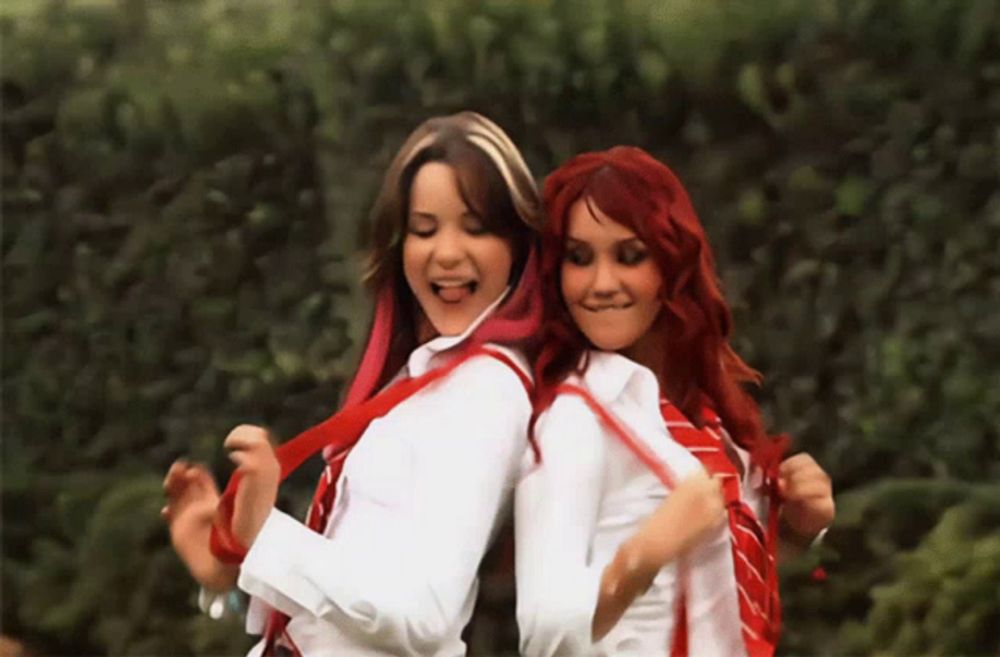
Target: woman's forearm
204,567
692,510
659,541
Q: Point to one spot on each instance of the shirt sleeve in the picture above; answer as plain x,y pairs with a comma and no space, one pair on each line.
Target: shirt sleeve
407,595
556,509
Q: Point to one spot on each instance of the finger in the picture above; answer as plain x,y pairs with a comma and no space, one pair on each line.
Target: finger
809,476
807,490
795,463
176,468
245,435
203,479
239,457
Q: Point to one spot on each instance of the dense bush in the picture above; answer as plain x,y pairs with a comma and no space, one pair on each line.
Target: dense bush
184,193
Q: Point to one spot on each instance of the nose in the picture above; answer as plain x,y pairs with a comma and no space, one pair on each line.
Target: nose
605,282
448,249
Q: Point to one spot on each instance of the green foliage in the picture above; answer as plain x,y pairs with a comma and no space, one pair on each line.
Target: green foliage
911,570
945,599
184,193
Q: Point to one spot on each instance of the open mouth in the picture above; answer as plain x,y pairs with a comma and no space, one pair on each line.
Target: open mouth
454,291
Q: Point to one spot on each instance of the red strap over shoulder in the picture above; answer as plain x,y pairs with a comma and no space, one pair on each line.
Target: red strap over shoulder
341,431
614,425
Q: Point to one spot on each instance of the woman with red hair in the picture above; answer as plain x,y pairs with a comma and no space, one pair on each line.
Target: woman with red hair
424,455
648,441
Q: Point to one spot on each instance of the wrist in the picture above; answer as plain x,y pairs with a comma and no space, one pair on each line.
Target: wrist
801,540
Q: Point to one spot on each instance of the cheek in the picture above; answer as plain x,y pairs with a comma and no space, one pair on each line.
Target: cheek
648,283
495,259
646,286
571,284
413,261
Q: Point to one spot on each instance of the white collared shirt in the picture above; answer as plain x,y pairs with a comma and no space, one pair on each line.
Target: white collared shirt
417,504
589,494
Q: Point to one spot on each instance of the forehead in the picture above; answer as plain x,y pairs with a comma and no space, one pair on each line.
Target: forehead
587,223
435,184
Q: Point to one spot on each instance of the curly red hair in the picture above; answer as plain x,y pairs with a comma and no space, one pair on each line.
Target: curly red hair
699,365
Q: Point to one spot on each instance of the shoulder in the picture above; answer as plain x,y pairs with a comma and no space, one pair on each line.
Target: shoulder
502,372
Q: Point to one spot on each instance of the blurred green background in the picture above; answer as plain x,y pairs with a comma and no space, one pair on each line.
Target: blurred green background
185,189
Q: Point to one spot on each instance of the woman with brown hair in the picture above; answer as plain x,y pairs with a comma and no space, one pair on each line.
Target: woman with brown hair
622,544
425,451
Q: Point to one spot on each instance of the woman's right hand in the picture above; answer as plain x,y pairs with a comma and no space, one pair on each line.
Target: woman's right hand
690,513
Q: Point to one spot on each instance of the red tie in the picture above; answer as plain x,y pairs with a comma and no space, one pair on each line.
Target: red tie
753,547
316,519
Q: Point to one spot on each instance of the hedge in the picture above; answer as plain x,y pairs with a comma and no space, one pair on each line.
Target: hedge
185,189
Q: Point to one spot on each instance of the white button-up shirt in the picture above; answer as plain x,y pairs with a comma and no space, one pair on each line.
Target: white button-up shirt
418,502
591,493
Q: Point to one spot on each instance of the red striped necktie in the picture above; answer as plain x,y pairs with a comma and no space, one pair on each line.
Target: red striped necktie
753,547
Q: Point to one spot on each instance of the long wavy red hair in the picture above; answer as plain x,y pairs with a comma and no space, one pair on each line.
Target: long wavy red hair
697,363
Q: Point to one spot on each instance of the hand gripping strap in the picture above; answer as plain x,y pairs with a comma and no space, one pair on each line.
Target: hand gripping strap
341,431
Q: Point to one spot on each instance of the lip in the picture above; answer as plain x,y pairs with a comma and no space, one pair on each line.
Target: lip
453,282
440,284
600,309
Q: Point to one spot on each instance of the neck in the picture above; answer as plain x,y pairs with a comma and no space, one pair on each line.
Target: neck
648,352
425,330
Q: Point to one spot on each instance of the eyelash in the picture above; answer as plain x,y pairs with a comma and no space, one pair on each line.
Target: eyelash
578,257
476,230
631,257
628,257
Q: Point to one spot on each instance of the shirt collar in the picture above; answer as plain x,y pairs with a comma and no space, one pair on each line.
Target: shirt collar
420,360
610,376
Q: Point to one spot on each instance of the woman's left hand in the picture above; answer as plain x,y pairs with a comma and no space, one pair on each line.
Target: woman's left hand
808,496
251,450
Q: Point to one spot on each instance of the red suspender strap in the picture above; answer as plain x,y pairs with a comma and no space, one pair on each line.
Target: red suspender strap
679,645
614,425
341,431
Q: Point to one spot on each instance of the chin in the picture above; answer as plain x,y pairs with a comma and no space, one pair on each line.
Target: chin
606,342
451,325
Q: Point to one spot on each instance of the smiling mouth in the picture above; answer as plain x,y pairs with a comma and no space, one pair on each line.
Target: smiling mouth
454,292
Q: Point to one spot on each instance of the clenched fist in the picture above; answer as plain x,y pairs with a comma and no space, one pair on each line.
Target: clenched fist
807,493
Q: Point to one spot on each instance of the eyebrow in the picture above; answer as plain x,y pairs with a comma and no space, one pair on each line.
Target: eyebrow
626,241
431,215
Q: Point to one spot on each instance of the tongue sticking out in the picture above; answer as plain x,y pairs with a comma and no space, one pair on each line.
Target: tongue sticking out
454,294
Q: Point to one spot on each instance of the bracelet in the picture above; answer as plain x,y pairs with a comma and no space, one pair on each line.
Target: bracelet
219,605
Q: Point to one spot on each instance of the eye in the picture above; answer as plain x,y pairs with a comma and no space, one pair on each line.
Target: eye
578,255
632,254
473,225
421,225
